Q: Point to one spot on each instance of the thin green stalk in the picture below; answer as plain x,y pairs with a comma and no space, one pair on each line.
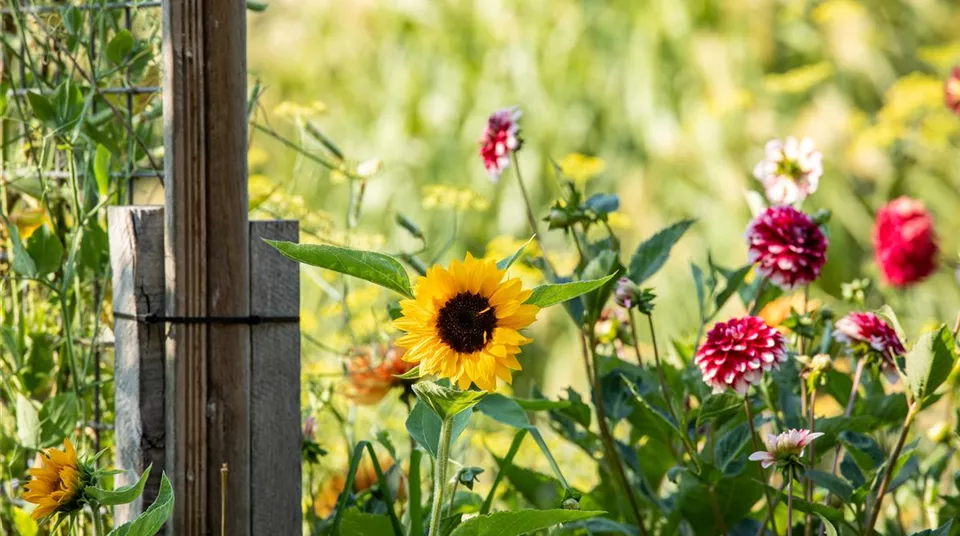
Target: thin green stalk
507,461
416,511
891,462
756,447
790,505
531,219
440,475
756,299
849,410
97,521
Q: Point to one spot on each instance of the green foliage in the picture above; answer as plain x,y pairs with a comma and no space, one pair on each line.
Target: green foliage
153,518
928,363
518,522
445,402
551,294
423,424
123,495
652,254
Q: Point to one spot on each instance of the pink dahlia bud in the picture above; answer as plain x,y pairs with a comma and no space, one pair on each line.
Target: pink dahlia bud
737,352
867,335
786,448
309,428
790,170
904,242
787,246
500,139
951,91
627,293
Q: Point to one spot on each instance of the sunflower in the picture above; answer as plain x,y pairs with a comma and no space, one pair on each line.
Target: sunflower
464,323
57,484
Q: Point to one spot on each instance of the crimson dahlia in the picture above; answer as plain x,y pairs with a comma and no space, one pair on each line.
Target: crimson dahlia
737,352
904,242
787,246
500,139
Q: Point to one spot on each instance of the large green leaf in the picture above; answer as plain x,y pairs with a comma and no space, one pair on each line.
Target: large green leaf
652,254
22,262
58,418
101,170
504,410
832,483
547,295
122,495
504,264
444,401
152,520
357,523
28,423
928,363
376,268
942,530
119,48
719,405
424,426
519,522
46,250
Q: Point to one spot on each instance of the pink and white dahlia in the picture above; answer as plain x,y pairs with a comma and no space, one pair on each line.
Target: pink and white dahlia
787,246
951,91
786,448
905,242
790,170
737,352
866,335
500,139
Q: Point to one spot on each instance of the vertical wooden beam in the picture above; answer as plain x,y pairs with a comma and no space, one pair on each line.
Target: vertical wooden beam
207,255
136,257
275,482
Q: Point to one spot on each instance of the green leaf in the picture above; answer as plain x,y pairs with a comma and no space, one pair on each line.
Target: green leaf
424,426
46,251
72,19
832,483
122,495
411,374
828,527
257,6
505,410
101,170
719,405
820,510
546,295
651,255
24,524
508,262
928,363
119,48
58,419
519,522
41,106
376,268
730,445
357,523
541,404
22,261
152,520
28,423
444,401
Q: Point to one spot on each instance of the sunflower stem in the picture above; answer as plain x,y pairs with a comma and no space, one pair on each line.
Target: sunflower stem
756,447
97,520
440,475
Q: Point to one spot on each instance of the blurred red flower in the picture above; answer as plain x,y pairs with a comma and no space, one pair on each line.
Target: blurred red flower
951,91
904,242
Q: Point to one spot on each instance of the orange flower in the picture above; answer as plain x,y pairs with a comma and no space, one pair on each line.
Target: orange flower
326,501
367,383
777,311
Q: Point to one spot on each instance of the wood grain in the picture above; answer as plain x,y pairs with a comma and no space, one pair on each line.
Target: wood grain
136,258
275,482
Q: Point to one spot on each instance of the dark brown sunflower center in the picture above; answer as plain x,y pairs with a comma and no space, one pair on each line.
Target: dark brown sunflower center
466,322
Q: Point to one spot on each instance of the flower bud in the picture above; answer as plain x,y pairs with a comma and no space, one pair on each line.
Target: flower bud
571,504
939,432
627,293
369,168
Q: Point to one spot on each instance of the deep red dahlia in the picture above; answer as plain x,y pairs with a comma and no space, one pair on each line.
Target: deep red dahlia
904,242
500,139
951,91
867,333
737,352
787,246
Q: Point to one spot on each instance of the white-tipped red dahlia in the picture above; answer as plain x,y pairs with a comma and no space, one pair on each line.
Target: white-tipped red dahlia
737,352
866,335
500,139
787,246
785,448
790,170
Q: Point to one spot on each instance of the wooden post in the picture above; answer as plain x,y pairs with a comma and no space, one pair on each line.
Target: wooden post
136,257
276,440
207,262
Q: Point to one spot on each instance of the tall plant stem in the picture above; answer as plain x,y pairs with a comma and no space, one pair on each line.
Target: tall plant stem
440,475
756,446
756,299
612,456
97,520
808,487
790,505
891,462
636,338
531,219
857,375
717,516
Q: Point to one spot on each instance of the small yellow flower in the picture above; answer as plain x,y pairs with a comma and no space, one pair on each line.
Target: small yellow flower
581,168
57,484
465,322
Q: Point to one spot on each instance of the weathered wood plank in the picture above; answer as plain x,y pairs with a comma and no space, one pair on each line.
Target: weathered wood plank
275,383
207,255
136,257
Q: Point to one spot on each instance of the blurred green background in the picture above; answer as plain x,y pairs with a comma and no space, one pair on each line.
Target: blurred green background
676,97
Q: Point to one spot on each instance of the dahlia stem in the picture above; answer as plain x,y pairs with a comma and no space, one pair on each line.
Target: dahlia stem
717,516
808,490
531,219
611,455
636,338
790,503
857,375
756,446
891,462
440,475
